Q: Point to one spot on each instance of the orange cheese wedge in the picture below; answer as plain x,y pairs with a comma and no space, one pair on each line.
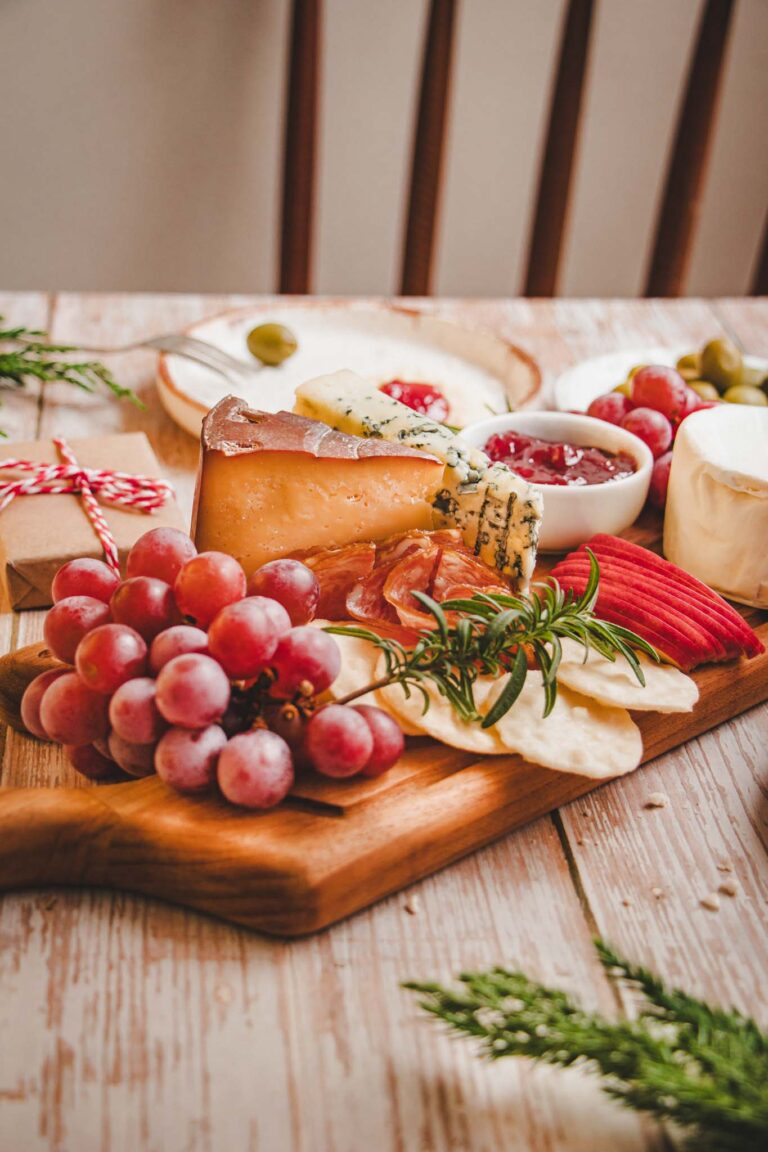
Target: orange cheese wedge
271,484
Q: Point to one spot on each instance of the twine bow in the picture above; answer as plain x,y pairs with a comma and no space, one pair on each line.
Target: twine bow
144,493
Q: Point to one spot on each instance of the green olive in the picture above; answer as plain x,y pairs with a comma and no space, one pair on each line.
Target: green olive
746,394
755,377
271,343
704,389
688,366
625,388
721,364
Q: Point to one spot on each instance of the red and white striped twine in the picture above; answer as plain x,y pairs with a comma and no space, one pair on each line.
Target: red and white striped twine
144,493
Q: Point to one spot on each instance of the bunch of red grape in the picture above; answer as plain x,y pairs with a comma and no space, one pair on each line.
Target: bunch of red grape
653,405
187,669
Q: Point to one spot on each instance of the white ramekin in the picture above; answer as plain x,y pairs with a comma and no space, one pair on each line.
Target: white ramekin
573,514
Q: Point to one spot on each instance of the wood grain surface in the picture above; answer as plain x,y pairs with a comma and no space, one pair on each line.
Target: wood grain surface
126,1023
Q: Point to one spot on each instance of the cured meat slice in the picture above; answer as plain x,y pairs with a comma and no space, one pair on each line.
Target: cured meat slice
417,541
414,573
338,570
457,571
365,600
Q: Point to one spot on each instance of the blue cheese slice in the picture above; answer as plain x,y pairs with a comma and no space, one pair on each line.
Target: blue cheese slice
497,512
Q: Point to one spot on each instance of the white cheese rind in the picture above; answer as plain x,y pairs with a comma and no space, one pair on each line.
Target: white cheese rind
716,523
497,512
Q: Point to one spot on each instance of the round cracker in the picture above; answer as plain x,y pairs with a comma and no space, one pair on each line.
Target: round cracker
667,689
579,735
440,721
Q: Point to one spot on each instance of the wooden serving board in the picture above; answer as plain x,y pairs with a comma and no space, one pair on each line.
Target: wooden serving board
333,847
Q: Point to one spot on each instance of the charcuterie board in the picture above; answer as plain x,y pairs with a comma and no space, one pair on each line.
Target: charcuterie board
333,847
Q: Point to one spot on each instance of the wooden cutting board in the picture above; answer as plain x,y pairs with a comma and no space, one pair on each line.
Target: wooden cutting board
334,846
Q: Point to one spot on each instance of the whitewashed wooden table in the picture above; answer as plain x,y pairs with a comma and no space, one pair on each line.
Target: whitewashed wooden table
128,1025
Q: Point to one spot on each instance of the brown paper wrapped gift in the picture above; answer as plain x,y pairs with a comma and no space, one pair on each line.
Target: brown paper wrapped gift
39,533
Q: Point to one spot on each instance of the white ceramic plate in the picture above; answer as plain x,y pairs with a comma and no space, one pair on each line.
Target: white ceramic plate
577,387
478,372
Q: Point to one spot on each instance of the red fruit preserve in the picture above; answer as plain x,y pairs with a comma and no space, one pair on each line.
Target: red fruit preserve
544,462
425,399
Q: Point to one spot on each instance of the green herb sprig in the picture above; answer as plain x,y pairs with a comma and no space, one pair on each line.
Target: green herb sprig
492,635
27,353
681,1060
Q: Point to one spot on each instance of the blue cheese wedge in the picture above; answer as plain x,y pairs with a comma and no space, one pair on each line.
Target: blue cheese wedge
497,512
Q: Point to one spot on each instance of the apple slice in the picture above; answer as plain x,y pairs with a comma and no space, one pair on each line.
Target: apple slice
686,645
696,609
655,566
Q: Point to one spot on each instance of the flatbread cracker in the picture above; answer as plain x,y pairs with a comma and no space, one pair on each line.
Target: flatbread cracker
579,735
440,721
613,683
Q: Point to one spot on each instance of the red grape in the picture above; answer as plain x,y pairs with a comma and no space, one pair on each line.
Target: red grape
84,577
388,739
135,759
90,762
69,621
176,641
187,760
162,553
109,656
32,699
292,584
657,493
694,403
651,427
255,769
192,691
339,741
244,636
133,712
661,389
71,713
612,407
145,604
306,657
206,584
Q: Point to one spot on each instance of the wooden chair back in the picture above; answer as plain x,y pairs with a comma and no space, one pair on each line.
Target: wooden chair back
676,225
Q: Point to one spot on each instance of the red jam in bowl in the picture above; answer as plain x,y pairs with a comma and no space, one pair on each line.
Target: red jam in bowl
425,399
543,462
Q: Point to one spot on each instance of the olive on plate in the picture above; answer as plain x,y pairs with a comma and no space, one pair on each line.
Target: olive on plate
746,394
721,364
272,344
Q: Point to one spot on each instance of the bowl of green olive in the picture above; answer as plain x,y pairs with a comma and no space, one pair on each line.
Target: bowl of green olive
718,371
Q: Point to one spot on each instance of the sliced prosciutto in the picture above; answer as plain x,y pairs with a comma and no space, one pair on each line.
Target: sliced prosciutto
374,583
338,571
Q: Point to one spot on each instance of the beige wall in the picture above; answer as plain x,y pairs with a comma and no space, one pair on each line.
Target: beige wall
141,143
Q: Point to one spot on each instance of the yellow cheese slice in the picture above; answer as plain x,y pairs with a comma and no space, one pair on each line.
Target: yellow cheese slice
271,484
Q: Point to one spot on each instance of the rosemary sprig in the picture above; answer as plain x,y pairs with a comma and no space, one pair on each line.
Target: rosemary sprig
681,1060
493,635
28,353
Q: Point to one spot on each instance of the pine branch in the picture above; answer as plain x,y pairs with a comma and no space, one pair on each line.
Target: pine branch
703,1068
26,353
492,635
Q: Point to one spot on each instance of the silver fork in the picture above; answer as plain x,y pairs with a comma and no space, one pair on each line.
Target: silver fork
192,349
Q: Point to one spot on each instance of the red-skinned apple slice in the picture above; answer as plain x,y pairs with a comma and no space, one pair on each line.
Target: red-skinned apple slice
698,609
604,546
685,644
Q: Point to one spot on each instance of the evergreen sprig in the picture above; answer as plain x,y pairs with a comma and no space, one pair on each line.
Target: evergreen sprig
493,634
681,1060
27,353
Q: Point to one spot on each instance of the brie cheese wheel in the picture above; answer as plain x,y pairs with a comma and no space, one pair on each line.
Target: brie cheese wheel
273,483
716,523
